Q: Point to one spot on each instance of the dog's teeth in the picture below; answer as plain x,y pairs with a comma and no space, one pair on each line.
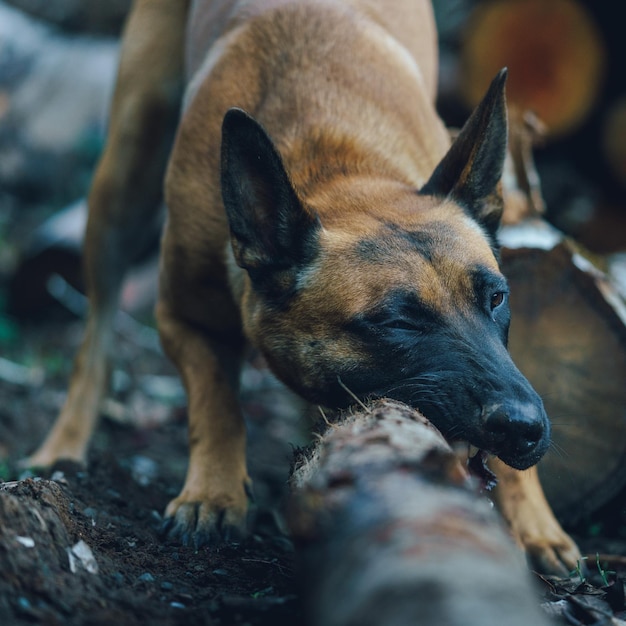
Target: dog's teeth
459,447
472,451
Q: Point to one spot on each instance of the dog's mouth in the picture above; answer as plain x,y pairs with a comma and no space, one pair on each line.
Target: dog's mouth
475,461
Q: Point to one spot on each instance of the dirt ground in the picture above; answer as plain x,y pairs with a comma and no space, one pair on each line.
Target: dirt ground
115,504
129,574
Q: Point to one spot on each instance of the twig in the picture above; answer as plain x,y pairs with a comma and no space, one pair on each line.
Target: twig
17,374
75,302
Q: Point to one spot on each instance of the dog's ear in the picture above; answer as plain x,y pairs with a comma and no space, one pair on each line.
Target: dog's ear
470,171
270,229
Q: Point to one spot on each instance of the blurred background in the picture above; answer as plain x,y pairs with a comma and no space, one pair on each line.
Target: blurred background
566,64
57,67
567,98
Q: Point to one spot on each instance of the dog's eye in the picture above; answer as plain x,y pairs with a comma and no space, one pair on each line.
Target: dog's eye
401,324
497,299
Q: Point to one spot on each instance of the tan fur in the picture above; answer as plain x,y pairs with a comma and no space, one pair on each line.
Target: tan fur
363,137
521,501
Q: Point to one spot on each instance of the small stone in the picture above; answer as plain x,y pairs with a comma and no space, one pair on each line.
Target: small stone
25,608
59,477
27,542
219,572
90,512
186,597
116,496
80,554
143,470
146,577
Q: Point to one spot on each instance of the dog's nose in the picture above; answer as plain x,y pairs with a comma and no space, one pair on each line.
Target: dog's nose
515,432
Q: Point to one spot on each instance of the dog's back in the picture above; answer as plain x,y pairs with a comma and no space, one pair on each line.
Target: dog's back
303,70
411,23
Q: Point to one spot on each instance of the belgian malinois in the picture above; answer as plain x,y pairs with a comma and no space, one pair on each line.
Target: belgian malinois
316,210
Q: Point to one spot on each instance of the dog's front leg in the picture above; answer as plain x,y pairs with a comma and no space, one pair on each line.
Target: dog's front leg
213,502
521,501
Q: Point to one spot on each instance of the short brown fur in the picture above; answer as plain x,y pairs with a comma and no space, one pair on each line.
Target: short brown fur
346,92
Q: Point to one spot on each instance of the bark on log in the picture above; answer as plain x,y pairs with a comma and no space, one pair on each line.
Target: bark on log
389,530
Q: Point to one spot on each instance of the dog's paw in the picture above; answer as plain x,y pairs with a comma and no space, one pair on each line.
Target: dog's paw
197,521
552,553
523,505
45,458
549,549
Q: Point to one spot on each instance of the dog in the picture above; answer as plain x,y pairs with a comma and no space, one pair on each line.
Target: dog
317,210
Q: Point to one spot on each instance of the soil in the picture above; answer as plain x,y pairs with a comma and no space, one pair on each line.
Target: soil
136,465
114,505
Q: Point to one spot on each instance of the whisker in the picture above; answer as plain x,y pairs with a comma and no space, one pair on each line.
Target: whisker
564,425
559,449
352,395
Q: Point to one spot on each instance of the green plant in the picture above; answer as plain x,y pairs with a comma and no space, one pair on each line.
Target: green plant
578,571
5,470
262,593
603,573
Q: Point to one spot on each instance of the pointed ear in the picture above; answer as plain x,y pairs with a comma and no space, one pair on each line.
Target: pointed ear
270,230
470,172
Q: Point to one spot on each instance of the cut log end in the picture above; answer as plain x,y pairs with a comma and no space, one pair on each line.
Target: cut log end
568,336
554,52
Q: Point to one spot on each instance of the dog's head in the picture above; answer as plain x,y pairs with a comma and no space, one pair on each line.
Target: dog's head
393,291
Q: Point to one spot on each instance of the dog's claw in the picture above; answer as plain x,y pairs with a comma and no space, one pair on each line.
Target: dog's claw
559,558
549,550
166,526
192,524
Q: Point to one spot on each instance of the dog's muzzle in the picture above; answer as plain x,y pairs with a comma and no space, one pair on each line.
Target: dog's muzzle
518,433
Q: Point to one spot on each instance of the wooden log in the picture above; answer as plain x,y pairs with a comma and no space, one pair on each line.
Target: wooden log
389,530
568,336
555,55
